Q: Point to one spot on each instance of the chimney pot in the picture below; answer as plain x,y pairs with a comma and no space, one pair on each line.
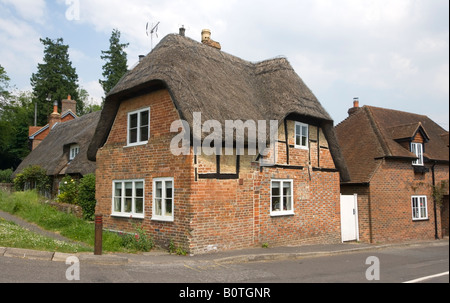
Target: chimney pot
355,107
182,31
206,39
141,57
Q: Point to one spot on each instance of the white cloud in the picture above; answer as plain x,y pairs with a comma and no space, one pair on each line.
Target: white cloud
31,10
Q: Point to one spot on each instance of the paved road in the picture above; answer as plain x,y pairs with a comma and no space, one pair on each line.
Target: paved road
388,265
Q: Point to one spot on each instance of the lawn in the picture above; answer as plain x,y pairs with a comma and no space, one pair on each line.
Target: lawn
31,207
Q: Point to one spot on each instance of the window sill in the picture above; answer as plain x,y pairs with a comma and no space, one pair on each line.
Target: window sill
128,215
136,144
163,219
301,147
281,213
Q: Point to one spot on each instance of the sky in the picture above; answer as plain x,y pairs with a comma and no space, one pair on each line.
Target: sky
389,53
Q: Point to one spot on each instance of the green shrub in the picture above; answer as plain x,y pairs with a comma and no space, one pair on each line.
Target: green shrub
33,177
137,241
5,176
86,196
68,190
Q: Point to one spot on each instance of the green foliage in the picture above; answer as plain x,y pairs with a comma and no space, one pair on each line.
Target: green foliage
137,241
16,115
55,77
68,189
116,62
5,175
86,196
33,177
173,249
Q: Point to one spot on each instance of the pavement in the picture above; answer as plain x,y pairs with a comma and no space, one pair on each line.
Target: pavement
221,257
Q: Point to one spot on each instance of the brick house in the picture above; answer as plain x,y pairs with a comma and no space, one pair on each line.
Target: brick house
68,113
63,149
215,202
394,158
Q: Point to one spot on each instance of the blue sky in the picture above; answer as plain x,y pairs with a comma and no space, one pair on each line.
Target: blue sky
389,53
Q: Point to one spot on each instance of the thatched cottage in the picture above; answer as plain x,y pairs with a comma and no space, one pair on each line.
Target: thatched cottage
63,151
205,202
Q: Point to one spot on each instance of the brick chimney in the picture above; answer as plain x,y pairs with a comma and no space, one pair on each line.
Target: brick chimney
54,117
69,104
206,39
355,107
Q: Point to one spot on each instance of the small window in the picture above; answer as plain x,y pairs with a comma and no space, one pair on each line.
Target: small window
281,198
419,207
138,127
128,198
417,149
163,195
74,151
301,135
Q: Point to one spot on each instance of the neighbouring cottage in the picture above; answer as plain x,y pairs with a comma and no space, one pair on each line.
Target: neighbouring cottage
68,113
207,202
395,159
63,151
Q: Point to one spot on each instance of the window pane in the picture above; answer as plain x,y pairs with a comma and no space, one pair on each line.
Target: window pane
298,140
139,187
128,189
169,189
144,133
275,203
297,129
304,143
287,203
275,188
139,205
117,204
158,210
168,207
158,190
133,135
133,121
118,189
128,205
304,131
144,118
287,188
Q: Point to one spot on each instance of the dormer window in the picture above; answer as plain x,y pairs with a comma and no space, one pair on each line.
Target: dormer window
74,150
417,149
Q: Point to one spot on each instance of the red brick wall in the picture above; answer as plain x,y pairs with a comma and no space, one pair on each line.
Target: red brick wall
212,214
391,188
116,161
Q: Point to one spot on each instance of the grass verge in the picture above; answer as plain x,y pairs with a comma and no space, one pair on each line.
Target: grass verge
31,207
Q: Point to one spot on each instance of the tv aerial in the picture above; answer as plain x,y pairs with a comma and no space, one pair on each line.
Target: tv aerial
151,31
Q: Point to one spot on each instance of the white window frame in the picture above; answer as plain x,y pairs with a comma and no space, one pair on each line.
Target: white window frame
74,151
282,212
419,211
139,126
302,126
163,217
122,212
417,149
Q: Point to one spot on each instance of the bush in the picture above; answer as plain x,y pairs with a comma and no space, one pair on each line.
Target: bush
5,176
86,196
138,241
68,190
33,177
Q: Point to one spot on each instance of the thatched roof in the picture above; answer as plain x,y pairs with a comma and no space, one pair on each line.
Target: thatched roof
52,154
222,87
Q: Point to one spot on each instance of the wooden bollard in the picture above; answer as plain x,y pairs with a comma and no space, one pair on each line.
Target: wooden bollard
98,235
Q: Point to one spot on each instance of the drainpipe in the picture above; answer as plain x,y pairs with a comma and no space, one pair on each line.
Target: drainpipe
434,202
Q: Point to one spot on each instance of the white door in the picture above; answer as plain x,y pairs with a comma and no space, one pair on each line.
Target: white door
349,218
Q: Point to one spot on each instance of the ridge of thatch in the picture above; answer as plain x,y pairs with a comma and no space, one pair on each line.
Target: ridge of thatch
219,85
52,153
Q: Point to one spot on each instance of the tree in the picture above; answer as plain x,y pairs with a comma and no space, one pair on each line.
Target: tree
116,62
15,117
55,78
4,88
